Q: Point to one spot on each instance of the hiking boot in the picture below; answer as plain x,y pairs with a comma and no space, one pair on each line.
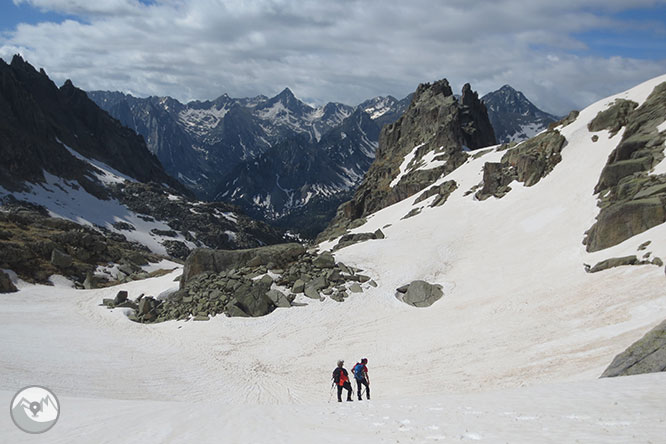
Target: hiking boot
349,400
360,399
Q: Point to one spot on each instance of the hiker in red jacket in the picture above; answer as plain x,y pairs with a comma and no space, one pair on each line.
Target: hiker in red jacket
341,379
360,372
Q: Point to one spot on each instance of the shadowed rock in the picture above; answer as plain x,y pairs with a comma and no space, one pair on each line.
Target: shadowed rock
647,355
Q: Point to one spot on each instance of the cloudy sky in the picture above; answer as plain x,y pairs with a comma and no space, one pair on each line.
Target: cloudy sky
562,54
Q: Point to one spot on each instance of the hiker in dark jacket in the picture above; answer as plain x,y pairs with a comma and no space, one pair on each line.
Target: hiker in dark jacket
341,379
360,372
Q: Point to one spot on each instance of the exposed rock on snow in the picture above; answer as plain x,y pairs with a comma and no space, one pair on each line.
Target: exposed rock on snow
442,192
621,261
420,293
613,118
647,355
631,199
527,162
351,239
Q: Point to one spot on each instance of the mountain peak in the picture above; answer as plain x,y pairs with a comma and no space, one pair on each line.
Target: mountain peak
287,93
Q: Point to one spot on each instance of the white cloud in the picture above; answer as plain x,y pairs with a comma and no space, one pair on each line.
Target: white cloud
346,50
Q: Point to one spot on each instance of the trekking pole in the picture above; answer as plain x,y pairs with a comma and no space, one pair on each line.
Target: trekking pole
330,395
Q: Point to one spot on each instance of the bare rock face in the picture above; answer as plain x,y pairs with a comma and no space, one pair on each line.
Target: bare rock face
631,199
647,355
435,122
206,260
528,163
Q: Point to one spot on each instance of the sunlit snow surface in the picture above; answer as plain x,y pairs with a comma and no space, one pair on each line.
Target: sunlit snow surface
511,353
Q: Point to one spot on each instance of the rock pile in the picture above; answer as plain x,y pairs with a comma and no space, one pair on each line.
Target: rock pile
249,284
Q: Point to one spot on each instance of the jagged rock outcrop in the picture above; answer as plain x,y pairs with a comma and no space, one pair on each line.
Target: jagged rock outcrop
631,199
647,355
435,124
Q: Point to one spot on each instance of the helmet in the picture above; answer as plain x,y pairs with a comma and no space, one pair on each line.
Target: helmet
364,361
340,362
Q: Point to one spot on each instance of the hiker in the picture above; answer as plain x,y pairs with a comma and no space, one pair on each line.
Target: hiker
341,379
360,372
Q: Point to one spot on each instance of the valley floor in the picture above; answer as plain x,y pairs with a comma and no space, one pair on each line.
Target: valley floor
268,379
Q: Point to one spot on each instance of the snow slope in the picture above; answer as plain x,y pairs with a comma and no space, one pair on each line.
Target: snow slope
511,353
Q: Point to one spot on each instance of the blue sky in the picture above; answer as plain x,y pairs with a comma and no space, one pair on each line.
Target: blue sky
644,36
562,54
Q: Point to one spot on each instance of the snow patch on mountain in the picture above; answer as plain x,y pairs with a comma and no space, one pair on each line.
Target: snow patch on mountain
404,166
379,106
526,132
103,172
200,122
68,200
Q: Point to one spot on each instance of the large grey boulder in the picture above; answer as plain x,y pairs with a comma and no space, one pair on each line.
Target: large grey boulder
421,294
206,260
252,300
647,355
6,284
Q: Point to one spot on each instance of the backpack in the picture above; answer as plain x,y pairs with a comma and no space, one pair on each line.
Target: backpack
358,371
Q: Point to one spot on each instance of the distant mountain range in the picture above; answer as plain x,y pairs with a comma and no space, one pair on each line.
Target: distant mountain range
279,158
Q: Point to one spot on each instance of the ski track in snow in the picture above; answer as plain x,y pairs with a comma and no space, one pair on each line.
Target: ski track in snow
511,353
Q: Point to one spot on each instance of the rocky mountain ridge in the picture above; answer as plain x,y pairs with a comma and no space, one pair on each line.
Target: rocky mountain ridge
43,128
431,139
513,116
